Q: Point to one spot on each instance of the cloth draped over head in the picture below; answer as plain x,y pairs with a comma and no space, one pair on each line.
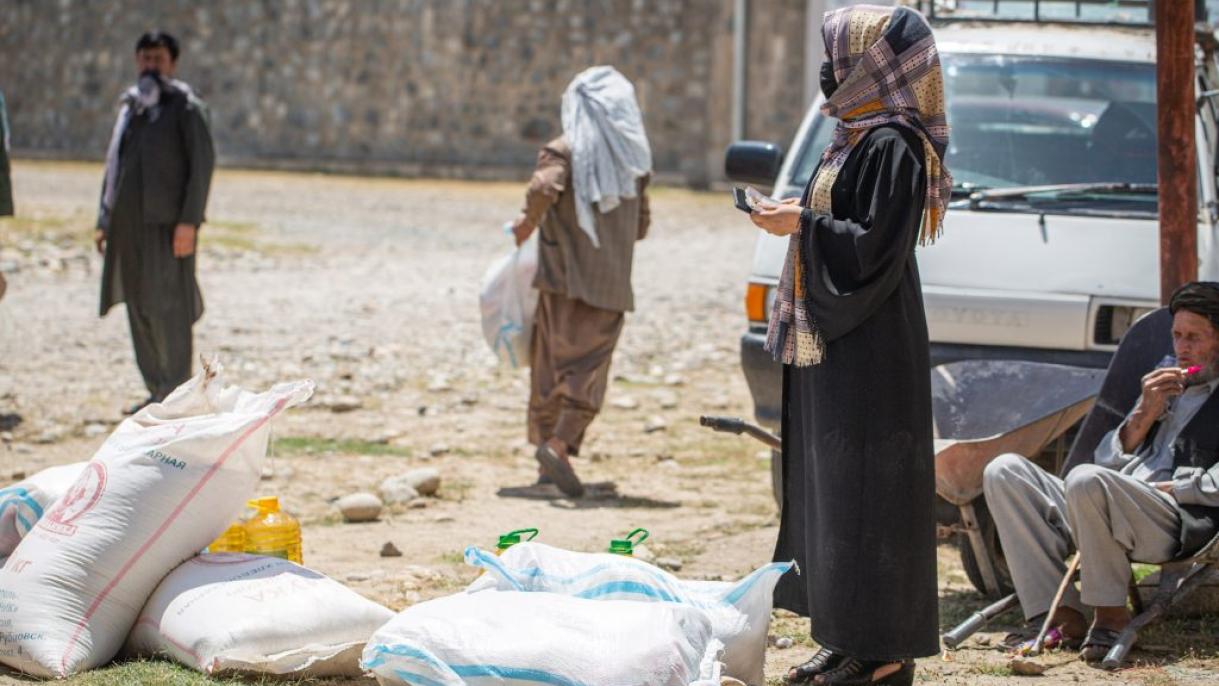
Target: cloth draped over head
884,70
609,147
143,97
1199,297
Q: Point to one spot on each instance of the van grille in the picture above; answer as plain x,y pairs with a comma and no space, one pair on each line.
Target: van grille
1113,321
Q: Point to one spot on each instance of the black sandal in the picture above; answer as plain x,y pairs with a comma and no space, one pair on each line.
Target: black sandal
1098,643
823,661
855,672
1020,641
560,471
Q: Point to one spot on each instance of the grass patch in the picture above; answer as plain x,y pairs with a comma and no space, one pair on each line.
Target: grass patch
311,445
1142,571
455,490
233,227
992,670
159,673
326,520
244,237
60,229
1189,637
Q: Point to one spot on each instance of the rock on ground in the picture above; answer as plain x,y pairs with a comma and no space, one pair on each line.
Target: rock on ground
425,481
396,490
359,507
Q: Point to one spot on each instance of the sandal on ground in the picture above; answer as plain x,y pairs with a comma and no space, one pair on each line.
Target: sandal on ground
1054,639
1020,641
560,471
1097,644
855,672
823,661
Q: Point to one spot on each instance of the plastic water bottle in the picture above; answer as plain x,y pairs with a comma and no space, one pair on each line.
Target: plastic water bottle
271,532
626,546
511,538
231,541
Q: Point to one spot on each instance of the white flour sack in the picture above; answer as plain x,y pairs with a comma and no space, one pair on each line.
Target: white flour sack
496,638
23,503
231,612
739,612
164,485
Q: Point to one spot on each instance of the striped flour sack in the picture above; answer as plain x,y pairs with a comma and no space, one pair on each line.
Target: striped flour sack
496,638
23,503
739,612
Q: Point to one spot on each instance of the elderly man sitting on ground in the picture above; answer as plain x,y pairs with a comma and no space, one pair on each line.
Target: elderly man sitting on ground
1151,496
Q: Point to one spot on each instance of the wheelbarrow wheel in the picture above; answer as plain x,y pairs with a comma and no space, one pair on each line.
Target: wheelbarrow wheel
994,551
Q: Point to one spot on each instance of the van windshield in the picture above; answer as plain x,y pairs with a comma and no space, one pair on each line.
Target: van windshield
1037,121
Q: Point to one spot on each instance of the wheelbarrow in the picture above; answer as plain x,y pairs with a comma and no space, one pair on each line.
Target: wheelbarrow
981,410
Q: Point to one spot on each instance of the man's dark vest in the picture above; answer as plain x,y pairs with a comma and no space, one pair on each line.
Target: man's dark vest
1197,446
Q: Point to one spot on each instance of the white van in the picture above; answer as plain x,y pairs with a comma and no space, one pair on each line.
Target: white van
1051,245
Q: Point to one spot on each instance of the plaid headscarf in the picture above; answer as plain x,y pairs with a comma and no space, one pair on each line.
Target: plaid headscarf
888,68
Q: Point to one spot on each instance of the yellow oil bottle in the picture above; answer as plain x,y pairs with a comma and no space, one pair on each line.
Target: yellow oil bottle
231,541
271,532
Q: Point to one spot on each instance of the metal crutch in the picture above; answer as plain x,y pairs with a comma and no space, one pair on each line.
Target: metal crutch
979,619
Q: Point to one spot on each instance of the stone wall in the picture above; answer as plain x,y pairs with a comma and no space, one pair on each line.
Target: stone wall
465,88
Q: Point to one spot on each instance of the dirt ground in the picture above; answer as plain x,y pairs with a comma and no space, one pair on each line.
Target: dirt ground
369,286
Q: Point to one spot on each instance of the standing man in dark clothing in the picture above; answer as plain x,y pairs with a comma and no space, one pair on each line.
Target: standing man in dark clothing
158,171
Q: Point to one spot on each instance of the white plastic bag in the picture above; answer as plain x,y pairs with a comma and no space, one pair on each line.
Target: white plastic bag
166,483
493,638
739,612
23,503
509,301
248,613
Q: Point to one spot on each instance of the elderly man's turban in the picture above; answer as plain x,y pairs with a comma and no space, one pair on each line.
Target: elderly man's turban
1199,297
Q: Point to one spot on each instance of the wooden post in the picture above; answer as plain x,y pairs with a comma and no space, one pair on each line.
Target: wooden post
1178,165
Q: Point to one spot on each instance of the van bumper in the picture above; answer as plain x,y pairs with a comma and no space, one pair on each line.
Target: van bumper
765,376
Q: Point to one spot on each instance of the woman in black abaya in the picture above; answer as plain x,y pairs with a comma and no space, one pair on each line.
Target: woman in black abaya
849,327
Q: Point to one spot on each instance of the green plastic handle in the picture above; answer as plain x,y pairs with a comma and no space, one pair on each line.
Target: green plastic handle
513,537
631,536
626,546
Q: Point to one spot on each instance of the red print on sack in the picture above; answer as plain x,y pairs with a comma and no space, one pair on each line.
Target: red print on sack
79,499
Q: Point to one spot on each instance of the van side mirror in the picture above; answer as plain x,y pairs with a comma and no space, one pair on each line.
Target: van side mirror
754,162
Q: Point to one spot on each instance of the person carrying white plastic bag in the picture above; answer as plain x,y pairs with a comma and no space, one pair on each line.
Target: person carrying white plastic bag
588,202
496,638
508,301
739,612
165,484
231,612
